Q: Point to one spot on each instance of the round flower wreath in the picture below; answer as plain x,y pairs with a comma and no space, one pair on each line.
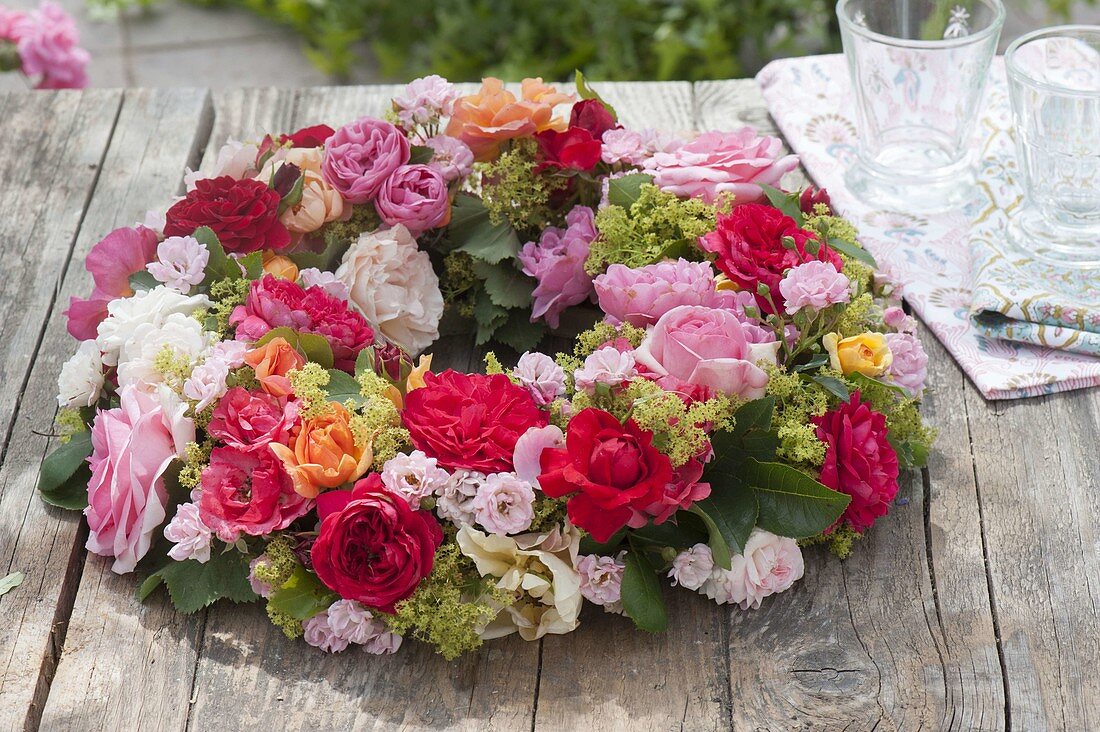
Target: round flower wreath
246,416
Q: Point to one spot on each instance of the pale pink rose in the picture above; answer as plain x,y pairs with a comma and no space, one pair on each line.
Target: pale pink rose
623,146
692,567
260,587
47,40
455,501
453,158
698,350
769,565
504,504
607,366
601,578
895,318
416,197
909,369
815,285
540,375
527,457
180,263
425,100
715,163
640,296
361,155
383,644
556,260
327,281
414,476
189,534
235,159
319,633
133,446
661,141
231,353
351,621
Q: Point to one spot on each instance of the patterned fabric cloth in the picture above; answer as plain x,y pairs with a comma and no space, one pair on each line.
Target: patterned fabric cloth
1032,325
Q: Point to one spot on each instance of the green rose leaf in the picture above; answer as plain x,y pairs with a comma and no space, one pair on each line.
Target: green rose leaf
420,154
641,593
193,585
342,388
855,251
834,386
731,513
472,231
816,362
862,382
217,266
327,259
9,583
585,91
64,475
143,280
316,348
792,504
253,265
302,596
506,286
786,202
626,190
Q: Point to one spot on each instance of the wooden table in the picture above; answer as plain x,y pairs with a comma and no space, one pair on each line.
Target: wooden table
974,605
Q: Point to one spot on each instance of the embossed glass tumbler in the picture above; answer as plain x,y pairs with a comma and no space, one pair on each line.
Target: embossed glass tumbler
918,70
1054,83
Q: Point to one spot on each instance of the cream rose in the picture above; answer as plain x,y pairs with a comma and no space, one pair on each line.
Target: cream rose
392,283
320,202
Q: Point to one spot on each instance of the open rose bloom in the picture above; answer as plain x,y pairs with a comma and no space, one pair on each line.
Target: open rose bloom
252,395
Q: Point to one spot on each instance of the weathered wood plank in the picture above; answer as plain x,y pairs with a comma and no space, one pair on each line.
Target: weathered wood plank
52,150
1038,477
103,679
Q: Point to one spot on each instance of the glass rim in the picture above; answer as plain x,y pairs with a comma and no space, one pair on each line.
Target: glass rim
1017,74
994,28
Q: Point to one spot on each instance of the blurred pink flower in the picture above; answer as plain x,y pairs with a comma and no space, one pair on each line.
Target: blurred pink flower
909,369
425,100
453,158
47,41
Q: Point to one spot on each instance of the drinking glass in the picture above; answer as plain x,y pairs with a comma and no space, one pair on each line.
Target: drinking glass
1054,84
918,70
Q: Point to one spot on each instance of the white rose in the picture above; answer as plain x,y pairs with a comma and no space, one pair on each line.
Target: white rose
151,307
81,379
393,285
235,159
770,564
181,334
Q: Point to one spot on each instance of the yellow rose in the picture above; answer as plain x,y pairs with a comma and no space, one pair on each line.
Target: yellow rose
866,353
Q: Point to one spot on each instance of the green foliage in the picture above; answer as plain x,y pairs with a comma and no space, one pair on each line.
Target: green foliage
792,503
519,196
193,585
302,595
63,478
641,593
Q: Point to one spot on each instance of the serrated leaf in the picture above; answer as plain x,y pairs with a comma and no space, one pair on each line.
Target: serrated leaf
363,361
786,202
683,529
719,547
833,385
302,596
626,190
585,91
253,265
9,583
731,510
488,316
641,594
472,232
519,332
193,585
854,251
146,588
862,381
143,280
342,387
327,259
64,475
792,504
816,362
505,285
287,334
316,348
751,436
217,265
420,154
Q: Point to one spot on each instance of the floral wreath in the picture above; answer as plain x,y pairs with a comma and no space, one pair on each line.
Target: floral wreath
246,418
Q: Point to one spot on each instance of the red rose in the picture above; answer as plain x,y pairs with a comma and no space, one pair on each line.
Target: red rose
574,149
592,115
372,547
243,213
251,420
247,492
858,461
470,421
314,136
749,244
609,470
811,196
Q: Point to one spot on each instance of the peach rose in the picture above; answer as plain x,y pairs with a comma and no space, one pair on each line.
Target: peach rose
866,353
493,115
416,376
320,202
323,453
272,362
279,266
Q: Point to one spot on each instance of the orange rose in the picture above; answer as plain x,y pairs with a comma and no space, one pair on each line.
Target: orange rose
416,376
323,453
272,362
280,266
486,119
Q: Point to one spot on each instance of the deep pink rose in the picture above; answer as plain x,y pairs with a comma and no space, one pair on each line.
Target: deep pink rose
251,420
132,447
248,492
361,155
859,460
722,162
696,351
556,260
416,196
680,493
120,254
641,296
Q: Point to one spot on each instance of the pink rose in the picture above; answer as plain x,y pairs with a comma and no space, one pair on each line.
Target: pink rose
248,492
251,420
361,155
452,157
680,493
909,369
698,350
556,260
814,285
722,162
527,457
47,41
416,196
132,447
641,296
111,262
771,564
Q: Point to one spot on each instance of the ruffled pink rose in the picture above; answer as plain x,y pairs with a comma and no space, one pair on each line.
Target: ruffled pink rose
680,493
527,456
771,564
814,285
556,260
47,40
909,369
132,447
452,157
416,196
248,492
111,262
251,420
361,155
641,296
696,351
722,162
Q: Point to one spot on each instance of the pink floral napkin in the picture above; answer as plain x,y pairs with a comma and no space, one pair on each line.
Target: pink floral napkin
811,101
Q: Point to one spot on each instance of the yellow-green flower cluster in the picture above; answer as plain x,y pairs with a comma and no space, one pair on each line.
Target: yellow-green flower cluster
592,339
449,606
274,570
796,401
549,512
517,194
859,316
678,429
378,416
309,384
175,368
840,540
226,294
657,225
195,458
363,218
70,422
